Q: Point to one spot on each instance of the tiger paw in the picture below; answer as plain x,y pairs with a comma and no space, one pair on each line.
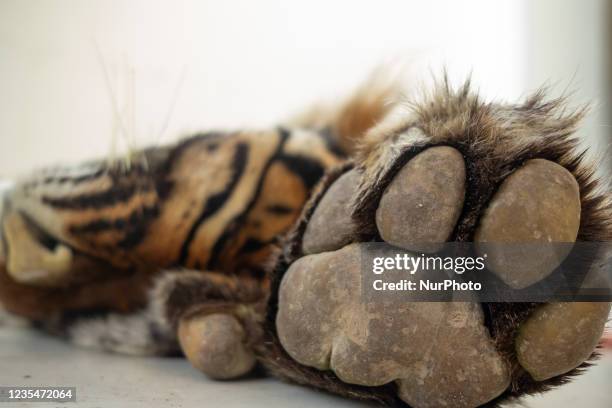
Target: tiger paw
415,193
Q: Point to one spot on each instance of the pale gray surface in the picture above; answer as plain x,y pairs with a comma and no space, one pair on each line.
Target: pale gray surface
29,358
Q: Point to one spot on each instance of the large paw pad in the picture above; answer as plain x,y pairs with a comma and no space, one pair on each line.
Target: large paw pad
438,353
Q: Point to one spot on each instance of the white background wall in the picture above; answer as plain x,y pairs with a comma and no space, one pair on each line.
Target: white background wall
569,46
241,63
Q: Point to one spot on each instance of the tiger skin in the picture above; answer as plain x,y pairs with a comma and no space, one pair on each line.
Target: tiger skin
215,201
204,247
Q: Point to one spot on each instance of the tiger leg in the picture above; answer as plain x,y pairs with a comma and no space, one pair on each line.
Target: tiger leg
211,201
211,317
56,252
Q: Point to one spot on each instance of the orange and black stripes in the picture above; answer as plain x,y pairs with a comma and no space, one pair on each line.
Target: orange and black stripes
132,226
72,179
216,201
308,169
209,187
238,220
123,188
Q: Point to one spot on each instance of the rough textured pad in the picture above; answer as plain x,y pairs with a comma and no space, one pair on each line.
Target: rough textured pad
439,353
539,203
214,344
420,207
559,337
331,225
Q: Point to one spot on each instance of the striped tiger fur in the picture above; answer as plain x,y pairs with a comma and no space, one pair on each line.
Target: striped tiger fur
170,253
88,251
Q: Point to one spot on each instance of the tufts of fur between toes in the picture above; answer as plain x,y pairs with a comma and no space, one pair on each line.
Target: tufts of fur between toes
495,140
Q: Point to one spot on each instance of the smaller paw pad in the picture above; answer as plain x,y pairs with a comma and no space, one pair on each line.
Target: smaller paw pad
536,208
421,205
214,344
559,337
331,225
